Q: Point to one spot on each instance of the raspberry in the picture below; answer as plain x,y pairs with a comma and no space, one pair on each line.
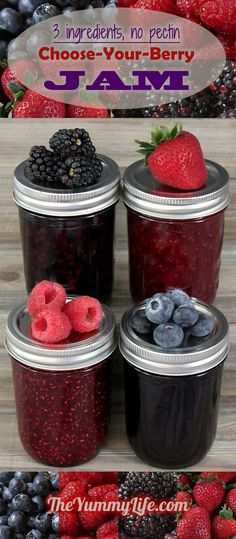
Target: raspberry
98,493
111,477
50,326
189,8
219,14
84,313
67,477
46,294
68,523
91,520
113,536
108,528
74,489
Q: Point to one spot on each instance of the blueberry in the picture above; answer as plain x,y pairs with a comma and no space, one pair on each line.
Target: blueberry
11,21
204,326
3,520
30,522
19,536
159,309
179,297
53,536
43,522
3,49
42,484
186,315
30,489
55,522
34,534
5,477
38,503
22,502
25,476
5,532
168,335
27,7
36,40
45,11
7,495
140,323
3,506
16,486
54,478
17,521
68,9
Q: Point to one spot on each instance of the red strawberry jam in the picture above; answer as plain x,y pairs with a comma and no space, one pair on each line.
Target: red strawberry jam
63,418
67,236
175,239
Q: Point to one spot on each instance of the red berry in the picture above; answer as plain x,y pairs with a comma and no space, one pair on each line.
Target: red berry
223,477
84,313
110,477
209,494
219,15
68,523
17,72
230,500
34,105
113,536
50,326
184,480
91,520
186,498
46,294
73,490
67,477
91,109
224,525
98,493
108,528
166,6
195,524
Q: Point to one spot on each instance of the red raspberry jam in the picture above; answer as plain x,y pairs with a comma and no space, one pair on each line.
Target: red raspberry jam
67,235
175,238
63,418
172,395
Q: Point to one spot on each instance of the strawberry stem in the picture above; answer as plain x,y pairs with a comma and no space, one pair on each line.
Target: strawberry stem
158,136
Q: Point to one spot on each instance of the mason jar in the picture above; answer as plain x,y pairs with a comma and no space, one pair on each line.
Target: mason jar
175,237
62,391
68,235
172,395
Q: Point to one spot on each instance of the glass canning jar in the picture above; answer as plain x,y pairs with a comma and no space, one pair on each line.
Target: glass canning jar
67,235
62,391
172,396
175,238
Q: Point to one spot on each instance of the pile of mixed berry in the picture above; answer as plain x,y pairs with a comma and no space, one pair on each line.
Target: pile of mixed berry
171,320
157,486
210,505
94,487
55,320
24,512
71,163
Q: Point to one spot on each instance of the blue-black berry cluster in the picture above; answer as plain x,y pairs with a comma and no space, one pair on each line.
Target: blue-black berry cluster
23,510
172,320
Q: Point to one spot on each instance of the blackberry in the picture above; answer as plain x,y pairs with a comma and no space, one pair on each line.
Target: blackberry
42,165
71,143
79,171
147,527
223,90
157,484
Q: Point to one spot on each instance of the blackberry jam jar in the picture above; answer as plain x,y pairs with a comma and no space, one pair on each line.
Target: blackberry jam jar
62,391
175,238
172,396
67,235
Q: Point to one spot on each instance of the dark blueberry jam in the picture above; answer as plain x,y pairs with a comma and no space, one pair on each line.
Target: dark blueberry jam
171,421
77,252
63,418
165,254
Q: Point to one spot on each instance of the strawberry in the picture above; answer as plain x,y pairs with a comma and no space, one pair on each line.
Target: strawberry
195,524
18,73
224,525
175,158
184,481
186,498
230,500
91,109
34,105
209,494
166,6
223,477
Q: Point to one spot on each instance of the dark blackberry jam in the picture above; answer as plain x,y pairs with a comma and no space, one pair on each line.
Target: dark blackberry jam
62,391
172,397
67,236
175,238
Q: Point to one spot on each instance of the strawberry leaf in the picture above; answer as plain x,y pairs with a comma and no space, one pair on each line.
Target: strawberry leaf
226,512
3,64
15,88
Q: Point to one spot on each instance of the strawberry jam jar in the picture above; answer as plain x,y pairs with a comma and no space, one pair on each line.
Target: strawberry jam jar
175,238
172,396
62,391
67,235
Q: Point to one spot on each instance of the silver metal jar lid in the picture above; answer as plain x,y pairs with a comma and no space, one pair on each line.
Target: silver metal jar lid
63,203
144,194
59,357
179,361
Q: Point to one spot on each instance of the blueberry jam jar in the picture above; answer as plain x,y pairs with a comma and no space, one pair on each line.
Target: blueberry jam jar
172,396
67,235
175,238
62,391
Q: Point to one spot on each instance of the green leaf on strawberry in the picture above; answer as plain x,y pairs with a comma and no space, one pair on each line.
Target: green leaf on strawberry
16,89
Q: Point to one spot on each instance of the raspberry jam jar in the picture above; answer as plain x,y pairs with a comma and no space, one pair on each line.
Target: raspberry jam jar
172,396
175,238
67,235
62,391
